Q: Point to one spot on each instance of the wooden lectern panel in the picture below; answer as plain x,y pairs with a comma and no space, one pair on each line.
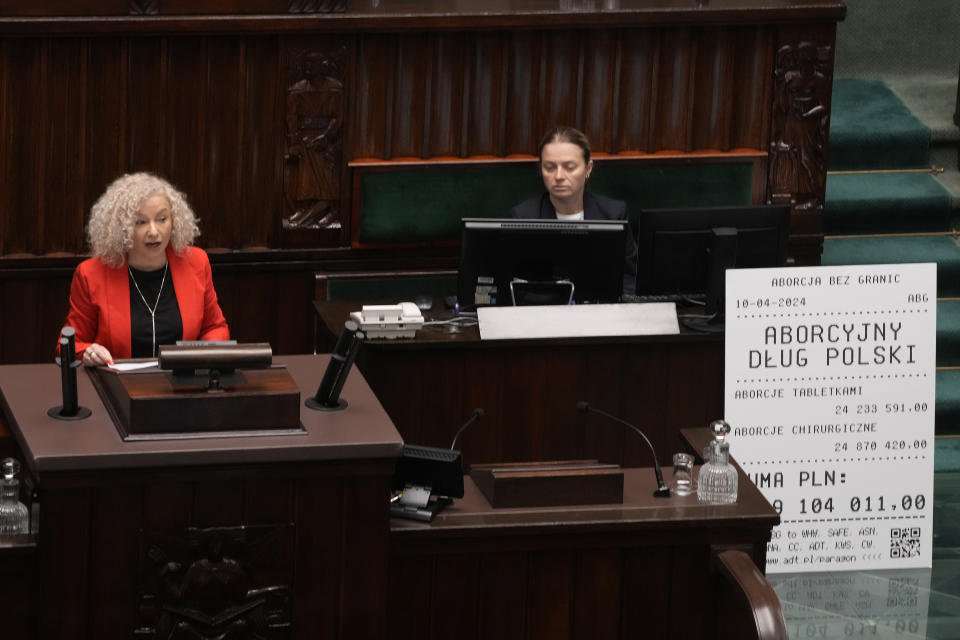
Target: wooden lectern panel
154,404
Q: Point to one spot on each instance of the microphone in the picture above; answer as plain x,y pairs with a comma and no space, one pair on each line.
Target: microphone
70,409
477,414
344,353
662,490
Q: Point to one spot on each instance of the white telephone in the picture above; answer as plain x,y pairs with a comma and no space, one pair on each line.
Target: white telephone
389,320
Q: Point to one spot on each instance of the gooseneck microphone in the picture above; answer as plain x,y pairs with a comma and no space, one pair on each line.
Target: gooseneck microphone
662,490
476,415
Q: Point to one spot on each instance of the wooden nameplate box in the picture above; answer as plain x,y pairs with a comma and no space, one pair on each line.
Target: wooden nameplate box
549,484
150,404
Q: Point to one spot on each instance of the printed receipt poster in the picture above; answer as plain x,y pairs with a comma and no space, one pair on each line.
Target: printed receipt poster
829,392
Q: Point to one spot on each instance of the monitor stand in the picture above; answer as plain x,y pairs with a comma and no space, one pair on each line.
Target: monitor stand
721,255
540,292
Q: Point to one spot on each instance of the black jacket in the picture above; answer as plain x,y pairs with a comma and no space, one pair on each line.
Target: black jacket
595,207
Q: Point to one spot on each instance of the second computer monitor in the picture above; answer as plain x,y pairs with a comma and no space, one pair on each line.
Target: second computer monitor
685,252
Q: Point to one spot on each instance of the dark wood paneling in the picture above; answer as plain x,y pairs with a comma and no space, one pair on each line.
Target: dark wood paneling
450,99
633,119
503,588
559,85
105,129
597,594
34,311
225,213
114,549
364,557
167,506
713,101
22,164
752,88
409,613
217,503
455,606
65,554
272,306
597,92
522,131
320,565
648,599
673,101
373,87
486,100
187,107
62,106
414,65
261,159
19,590
550,590
148,89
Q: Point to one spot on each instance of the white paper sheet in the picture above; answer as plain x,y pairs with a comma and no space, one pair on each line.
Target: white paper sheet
133,366
578,321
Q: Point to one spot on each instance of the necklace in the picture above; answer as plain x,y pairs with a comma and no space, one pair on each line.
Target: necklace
153,311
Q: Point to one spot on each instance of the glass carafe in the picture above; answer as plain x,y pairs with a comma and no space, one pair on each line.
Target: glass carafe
718,478
14,517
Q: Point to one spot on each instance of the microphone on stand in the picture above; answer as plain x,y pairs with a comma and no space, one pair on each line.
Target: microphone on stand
70,409
662,490
344,353
476,415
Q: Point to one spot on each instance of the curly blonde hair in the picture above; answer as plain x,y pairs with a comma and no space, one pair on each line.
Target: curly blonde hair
112,216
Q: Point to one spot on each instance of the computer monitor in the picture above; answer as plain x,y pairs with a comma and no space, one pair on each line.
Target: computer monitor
684,253
543,259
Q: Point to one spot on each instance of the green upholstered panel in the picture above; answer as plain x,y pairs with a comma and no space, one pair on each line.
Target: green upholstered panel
420,204
425,203
398,288
658,186
675,185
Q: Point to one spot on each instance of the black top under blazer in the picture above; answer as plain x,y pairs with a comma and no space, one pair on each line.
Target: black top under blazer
595,207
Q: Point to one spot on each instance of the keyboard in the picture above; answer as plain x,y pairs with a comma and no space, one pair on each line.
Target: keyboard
689,298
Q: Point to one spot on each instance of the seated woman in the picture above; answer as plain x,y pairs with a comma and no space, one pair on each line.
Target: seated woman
145,284
565,166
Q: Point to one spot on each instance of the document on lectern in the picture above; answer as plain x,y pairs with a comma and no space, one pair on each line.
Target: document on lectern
830,392
577,321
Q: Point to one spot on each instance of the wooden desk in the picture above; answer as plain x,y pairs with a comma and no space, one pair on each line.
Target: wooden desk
133,533
643,569
529,390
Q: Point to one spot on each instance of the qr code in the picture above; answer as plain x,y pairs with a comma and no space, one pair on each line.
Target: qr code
905,542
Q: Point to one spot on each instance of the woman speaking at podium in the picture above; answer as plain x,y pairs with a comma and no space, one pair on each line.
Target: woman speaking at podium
565,167
145,285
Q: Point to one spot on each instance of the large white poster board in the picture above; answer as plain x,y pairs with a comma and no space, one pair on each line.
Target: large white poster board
830,392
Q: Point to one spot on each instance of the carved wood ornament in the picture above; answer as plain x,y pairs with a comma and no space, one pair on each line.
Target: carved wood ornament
205,586
314,137
801,124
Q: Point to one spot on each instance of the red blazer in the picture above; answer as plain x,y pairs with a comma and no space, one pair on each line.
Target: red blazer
100,302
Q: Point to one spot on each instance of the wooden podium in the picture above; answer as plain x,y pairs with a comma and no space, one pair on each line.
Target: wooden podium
281,535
